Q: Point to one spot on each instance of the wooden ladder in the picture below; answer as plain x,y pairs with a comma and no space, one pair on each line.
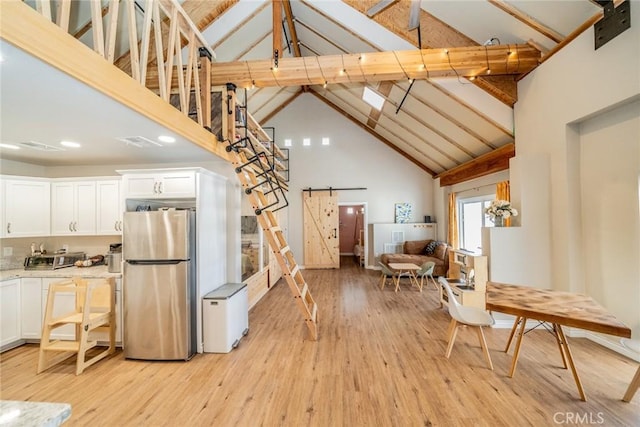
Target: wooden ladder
261,184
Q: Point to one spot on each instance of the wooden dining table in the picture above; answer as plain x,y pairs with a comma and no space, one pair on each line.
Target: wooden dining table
410,269
557,308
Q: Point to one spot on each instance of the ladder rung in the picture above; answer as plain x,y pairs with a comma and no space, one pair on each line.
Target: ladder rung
303,291
294,270
285,250
275,229
314,312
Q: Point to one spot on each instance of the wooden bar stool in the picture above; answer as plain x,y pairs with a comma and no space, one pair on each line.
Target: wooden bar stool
94,311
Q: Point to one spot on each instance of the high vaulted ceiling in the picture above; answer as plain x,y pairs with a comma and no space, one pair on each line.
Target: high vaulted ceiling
448,104
448,118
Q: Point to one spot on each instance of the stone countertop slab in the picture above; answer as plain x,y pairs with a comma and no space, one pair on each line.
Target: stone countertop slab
99,271
46,414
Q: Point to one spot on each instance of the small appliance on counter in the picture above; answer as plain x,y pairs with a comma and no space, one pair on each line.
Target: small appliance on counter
52,261
114,258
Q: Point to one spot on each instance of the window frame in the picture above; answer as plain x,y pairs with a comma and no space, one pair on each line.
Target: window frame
485,200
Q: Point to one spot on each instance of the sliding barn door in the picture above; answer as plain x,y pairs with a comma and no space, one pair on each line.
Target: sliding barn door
321,238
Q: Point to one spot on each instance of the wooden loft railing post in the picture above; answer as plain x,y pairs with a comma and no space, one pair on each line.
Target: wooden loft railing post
205,88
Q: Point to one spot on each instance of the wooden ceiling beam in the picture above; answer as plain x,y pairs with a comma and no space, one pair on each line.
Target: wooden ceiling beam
494,161
434,33
384,89
379,66
528,20
292,28
276,13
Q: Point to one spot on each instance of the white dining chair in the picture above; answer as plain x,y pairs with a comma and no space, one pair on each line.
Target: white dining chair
466,316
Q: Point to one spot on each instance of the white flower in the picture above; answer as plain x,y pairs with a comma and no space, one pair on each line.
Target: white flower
500,208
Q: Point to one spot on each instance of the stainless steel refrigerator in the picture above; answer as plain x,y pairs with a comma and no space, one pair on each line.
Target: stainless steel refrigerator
159,284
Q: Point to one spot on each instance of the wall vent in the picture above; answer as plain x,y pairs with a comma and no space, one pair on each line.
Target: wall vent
40,146
139,141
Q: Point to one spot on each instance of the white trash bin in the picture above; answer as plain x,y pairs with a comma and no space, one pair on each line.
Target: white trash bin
225,317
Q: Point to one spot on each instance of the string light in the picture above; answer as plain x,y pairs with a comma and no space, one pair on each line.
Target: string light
486,52
253,83
321,73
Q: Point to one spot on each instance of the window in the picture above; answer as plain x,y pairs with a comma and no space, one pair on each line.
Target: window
471,219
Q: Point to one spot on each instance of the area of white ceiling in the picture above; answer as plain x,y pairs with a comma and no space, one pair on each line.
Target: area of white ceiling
40,103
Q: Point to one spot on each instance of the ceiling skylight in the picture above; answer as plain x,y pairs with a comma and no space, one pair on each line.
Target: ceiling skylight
373,98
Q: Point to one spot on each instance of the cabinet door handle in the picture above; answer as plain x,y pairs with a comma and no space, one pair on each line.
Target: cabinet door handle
155,188
75,226
160,187
8,228
71,226
115,225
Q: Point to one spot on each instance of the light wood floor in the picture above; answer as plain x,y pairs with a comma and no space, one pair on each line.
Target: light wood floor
379,362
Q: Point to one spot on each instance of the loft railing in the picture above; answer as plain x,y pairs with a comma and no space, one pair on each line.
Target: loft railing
135,35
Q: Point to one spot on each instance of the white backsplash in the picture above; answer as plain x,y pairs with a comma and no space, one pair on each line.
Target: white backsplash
21,247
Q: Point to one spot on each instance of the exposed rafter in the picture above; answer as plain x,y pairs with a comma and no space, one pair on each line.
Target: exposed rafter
526,19
494,161
434,34
293,34
380,66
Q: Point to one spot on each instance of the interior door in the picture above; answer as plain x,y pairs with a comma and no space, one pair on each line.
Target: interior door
321,229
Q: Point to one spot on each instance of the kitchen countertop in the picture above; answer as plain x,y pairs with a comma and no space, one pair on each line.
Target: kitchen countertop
49,414
99,271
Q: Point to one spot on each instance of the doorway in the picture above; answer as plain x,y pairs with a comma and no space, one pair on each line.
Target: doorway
353,231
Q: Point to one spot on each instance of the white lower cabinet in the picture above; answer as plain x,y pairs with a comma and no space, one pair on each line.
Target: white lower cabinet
65,302
31,307
9,312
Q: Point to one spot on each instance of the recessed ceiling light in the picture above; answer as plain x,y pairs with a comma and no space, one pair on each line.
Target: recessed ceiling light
70,144
9,146
373,98
166,138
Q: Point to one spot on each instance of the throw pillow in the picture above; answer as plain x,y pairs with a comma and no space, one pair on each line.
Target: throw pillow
431,246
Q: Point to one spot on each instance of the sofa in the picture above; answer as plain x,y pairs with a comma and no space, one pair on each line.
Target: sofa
420,251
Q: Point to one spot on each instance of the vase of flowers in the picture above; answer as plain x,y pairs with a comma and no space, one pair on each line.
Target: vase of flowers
499,210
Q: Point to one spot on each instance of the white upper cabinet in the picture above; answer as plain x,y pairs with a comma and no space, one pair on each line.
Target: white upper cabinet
26,207
73,208
109,207
160,185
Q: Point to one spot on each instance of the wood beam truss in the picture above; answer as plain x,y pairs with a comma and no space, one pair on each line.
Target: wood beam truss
380,66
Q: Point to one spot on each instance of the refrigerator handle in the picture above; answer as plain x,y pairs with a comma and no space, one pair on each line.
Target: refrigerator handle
156,262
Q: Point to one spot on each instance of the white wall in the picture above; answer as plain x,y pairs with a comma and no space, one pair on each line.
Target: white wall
574,111
354,159
610,167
